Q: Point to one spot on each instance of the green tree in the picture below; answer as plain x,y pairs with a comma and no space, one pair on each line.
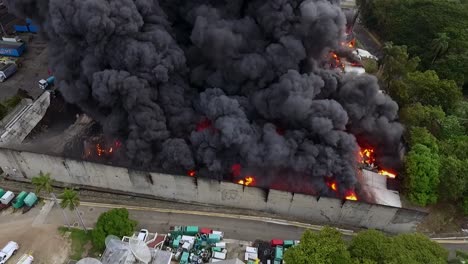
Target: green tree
43,182
455,146
465,205
450,127
396,64
70,199
113,222
427,89
324,247
375,246
420,135
453,178
417,248
370,245
422,175
439,45
418,115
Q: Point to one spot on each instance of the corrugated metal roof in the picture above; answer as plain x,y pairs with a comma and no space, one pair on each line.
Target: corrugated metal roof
10,44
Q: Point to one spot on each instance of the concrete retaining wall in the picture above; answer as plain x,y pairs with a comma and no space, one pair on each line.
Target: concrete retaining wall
323,210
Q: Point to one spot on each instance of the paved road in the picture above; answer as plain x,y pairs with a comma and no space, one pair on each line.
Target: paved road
245,228
369,41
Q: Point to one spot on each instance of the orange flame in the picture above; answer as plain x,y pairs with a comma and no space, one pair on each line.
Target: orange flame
192,173
332,185
387,173
351,195
249,180
367,156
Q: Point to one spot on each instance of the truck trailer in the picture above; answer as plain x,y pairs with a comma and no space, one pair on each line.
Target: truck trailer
7,70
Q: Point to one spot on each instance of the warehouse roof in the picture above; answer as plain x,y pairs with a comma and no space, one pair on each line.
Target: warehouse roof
10,44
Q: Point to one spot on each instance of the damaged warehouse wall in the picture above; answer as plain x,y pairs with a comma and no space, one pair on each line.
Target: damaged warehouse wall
25,165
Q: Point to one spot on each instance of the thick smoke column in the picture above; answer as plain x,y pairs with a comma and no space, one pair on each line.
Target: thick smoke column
207,84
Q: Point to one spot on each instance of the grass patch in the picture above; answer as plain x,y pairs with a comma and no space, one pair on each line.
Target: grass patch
8,105
81,245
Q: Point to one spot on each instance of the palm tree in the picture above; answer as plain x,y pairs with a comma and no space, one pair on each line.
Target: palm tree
439,45
43,182
69,199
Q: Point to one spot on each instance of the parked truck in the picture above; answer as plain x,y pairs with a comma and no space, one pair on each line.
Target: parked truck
44,84
7,70
26,259
9,250
6,199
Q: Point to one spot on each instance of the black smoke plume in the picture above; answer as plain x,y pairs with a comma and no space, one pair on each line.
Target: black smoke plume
208,84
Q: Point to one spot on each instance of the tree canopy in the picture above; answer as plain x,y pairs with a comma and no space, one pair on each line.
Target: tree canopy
367,247
113,222
422,175
324,247
42,182
434,31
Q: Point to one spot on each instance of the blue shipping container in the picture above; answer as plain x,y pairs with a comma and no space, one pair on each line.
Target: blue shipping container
20,28
28,21
14,49
33,28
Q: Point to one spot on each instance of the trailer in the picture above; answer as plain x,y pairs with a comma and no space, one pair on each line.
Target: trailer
7,70
19,201
30,201
7,197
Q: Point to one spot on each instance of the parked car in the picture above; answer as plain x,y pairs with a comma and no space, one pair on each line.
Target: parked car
143,235
9,250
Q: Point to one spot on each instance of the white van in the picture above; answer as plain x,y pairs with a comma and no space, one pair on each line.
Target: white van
9,250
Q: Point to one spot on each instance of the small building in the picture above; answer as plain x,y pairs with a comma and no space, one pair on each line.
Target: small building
14,49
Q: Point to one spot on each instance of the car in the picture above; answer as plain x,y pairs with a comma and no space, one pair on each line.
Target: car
143,235
9,250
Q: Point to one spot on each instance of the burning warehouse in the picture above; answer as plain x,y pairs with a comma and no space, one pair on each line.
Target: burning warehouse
229,90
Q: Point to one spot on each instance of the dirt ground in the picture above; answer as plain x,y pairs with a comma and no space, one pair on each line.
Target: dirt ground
42,241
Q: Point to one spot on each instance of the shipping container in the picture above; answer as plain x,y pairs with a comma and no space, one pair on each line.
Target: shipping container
184,258
7,197
221,245
33,28
276,242
191,230
2,192
205,231
219,255
19,201
288,243
251,249
279,253
213,238
14,49
21,28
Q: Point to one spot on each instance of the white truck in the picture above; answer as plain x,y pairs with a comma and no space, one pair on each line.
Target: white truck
26,259
8,251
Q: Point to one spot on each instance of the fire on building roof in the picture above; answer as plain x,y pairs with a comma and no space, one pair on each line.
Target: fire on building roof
230,89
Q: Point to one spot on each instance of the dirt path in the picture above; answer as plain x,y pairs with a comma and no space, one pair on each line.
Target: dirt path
42,241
